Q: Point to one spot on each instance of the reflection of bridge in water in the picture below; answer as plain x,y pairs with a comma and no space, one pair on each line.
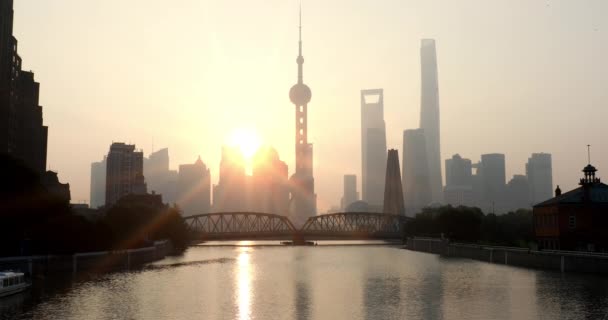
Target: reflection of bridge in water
265,226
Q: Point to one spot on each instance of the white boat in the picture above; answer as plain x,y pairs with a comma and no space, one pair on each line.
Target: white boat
12,282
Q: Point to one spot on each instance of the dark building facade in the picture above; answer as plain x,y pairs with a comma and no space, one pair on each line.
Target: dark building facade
575,220
22,133
124,172
393,190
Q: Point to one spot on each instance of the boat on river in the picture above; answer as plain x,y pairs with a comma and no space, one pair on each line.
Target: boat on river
12,283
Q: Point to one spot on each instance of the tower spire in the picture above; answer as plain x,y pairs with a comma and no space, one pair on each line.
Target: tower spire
588,154
300,59
300,29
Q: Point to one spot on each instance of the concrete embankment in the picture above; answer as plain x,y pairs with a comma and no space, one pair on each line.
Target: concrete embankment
564,261
97,262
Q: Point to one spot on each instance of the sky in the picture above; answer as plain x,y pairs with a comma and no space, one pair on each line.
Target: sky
515,77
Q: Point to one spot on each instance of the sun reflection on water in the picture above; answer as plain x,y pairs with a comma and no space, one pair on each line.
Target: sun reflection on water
244,284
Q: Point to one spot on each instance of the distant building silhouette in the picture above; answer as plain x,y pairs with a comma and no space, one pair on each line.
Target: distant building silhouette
373,146
393,190
575,220
416,182
492,174
124,172
98,183
518,193
270,185
194,188
230,193
303,197
22,133
350,194
540,177
458,189
50,182
159,178
429,115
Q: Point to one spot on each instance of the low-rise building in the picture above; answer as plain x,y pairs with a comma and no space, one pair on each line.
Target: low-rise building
575,220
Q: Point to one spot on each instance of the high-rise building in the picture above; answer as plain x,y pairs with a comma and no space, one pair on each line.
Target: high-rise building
416,182
429,115
458,189
373,146
350,191
229,195
22,133
303,197
159,177
270,186
393,190
518,193
194,188
540,177
98,183
493,182
124,172
10,64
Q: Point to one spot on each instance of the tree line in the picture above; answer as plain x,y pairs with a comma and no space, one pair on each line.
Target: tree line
470,224
35,221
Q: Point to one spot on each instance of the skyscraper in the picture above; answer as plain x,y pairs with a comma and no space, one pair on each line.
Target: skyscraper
540,177
393,190
518,193
350,191
270,184
230,194
98,183
417,190
159,177
124,172
303,197
193,193
493,181
429,115
373,146
459,181
22,133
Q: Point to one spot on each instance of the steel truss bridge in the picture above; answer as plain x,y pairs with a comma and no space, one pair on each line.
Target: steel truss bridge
266,226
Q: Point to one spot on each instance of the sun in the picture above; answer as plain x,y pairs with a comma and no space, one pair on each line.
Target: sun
247,140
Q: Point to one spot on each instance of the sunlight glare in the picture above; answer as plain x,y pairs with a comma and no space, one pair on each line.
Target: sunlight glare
247,140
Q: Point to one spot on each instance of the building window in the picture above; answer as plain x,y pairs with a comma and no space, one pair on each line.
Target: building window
572,222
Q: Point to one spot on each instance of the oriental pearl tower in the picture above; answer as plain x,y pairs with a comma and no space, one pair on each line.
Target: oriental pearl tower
302,182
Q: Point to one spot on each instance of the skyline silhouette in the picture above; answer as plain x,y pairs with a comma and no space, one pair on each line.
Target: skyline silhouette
482,87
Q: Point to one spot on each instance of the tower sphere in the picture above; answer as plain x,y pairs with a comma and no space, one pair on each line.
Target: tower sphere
300,94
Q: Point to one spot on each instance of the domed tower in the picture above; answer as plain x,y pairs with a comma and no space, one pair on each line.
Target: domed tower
303,198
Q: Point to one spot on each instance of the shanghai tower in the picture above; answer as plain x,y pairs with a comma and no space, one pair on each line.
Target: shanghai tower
303,198
429,115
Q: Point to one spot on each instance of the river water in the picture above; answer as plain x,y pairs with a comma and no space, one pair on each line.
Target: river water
245,280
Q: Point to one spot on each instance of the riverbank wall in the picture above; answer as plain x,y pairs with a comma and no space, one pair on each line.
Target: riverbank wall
93,262
563,261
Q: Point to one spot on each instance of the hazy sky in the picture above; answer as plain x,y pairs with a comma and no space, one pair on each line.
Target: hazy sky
515,77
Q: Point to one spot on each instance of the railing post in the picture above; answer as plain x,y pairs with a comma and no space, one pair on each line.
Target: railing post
563,264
